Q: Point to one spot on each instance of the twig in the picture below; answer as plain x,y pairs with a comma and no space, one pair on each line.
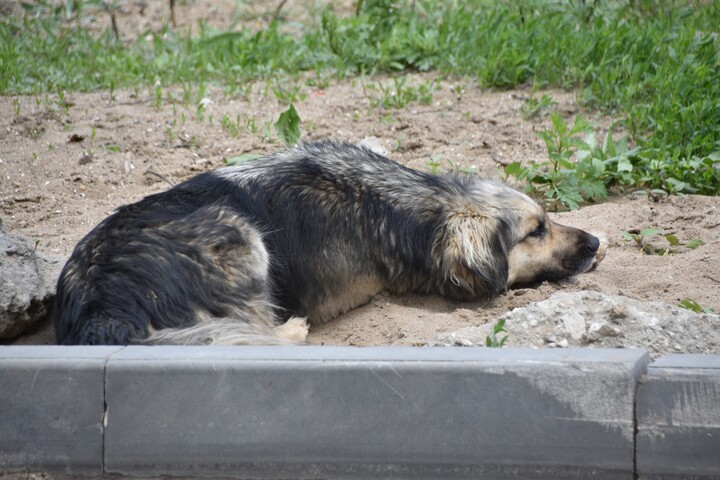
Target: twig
160,176
172,13
110,9
279,8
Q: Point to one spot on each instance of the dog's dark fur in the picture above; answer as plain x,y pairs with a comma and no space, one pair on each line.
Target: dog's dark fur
311,232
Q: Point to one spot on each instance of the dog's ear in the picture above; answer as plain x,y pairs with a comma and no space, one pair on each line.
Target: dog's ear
472,253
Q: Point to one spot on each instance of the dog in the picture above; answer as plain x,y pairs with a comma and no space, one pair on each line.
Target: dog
254,253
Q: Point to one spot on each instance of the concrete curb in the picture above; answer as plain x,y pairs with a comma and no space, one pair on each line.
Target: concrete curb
337,412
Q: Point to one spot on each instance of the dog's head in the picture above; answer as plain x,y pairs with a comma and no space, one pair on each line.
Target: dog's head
499,238
546,250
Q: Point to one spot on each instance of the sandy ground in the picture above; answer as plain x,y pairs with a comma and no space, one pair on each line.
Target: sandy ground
63,168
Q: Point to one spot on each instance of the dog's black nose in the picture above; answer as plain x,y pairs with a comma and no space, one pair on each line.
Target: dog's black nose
592,244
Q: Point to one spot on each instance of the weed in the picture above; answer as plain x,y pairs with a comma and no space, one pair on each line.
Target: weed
288,126
250,123
289,95
170,134
398,94
16,106
433,165
694,306
642,238
492,339
319,81
158,98
230,127
578,169
534,107
62,102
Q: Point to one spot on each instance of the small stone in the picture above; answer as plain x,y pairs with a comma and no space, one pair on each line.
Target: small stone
563,343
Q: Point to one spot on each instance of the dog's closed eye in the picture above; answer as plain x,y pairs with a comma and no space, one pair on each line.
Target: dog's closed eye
538,232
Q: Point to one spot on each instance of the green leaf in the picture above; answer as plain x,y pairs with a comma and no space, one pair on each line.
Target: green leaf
240,159
672,240
627,236
694,243
691,305
624,165
513,169
648,232
288,126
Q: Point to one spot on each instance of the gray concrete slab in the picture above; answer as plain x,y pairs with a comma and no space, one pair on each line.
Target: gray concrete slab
51,408
678,415
318,412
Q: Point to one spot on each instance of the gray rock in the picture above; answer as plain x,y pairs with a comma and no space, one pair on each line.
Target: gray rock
586,318
27,284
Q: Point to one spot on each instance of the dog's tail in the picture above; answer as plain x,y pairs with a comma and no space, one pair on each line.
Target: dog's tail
230,332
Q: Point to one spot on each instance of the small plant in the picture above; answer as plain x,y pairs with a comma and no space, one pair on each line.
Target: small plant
288,126
16,106
534,107
492,339
577,170
170,134
642,238
288,95
158,100
694,306
249,122
433,165
62,102
398,94
230,127
111,90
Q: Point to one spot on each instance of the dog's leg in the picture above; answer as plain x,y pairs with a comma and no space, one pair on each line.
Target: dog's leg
294,330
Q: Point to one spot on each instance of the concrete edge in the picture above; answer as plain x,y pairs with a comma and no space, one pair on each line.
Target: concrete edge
46,393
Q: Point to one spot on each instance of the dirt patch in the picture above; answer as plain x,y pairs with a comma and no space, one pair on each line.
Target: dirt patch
65,165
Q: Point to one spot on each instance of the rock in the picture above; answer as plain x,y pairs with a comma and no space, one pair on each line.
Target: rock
576,319
27,284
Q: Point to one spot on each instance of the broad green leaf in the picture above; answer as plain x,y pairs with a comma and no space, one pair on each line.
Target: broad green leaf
648,232
288,126
627,235
672,240
691,305
513,169
694,243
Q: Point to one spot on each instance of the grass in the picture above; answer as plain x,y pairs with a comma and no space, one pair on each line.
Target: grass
654,64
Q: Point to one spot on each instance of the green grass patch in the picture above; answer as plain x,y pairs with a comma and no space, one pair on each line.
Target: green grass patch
655,65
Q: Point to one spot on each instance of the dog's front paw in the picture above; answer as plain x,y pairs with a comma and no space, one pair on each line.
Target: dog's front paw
294,330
